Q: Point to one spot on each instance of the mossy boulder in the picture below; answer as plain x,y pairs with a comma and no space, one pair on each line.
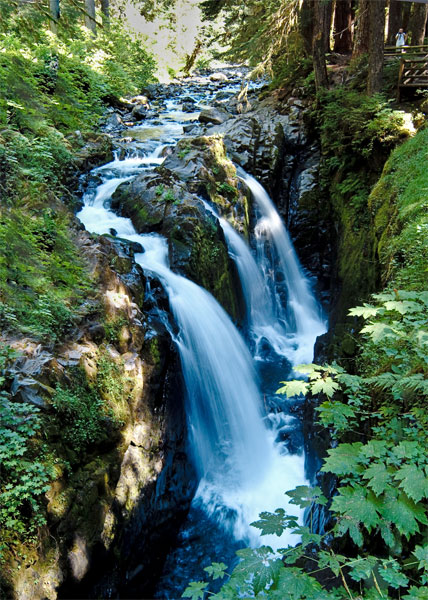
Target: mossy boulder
171,202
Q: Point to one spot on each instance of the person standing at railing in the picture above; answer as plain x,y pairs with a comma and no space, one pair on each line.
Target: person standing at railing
400,38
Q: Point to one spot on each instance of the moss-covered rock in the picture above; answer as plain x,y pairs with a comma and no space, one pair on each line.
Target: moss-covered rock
169,201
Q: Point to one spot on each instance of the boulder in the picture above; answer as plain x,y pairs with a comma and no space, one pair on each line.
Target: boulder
27,389
113,123
139,112
216,116
141,100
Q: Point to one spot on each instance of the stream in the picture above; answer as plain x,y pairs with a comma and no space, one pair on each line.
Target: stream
246,443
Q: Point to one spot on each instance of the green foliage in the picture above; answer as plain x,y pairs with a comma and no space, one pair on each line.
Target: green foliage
259,33
399,203
352,126
90,412
24,478
379,513
42,278
80,412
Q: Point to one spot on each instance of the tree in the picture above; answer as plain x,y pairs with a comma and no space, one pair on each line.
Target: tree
361,44
395,20
418,22
327,19
376,44
322,16
105,9
342,26
54,13
306,24
90,21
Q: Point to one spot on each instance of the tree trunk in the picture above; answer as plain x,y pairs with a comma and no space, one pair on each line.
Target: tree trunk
90,22
328,17
405,15
418,22
306,24
342,26
376,45
54,12
321,15
105,9
361,44
395,20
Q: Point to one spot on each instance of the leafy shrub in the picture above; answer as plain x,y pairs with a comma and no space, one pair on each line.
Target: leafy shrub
81,414
23,477
42,278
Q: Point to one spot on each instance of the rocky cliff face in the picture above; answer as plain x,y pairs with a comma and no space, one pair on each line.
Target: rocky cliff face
271,142
133,479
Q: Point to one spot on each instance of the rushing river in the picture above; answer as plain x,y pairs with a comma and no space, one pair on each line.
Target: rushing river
244,458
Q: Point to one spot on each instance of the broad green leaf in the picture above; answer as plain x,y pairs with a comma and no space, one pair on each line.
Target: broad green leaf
403,306
357,503
325,385
374,449
379,331
413,482
407,450
294,584
421,553
343,460
195,590
416,593
275,523
293,388
386,533
362,568
366,311
351,526
216,570
261,565
402,512
378,476
331,561
391,573
336,414
304,495
307,537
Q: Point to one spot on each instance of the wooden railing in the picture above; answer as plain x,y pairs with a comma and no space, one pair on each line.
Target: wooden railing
394,51
413,67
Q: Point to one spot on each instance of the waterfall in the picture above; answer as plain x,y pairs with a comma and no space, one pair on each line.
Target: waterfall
240,468
296,310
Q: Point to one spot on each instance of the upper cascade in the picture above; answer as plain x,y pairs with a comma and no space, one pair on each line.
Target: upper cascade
299,316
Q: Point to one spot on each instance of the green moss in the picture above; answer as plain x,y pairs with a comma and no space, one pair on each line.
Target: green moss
43,280
209,266
400,205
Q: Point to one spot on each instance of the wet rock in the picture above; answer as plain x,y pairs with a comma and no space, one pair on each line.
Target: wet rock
139,112
216,116
152,91
29,390
97,332
113,123
190,128
187,107
188,100
97,149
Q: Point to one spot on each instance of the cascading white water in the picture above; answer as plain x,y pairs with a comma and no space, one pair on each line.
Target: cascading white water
300,315
242,471
263,324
